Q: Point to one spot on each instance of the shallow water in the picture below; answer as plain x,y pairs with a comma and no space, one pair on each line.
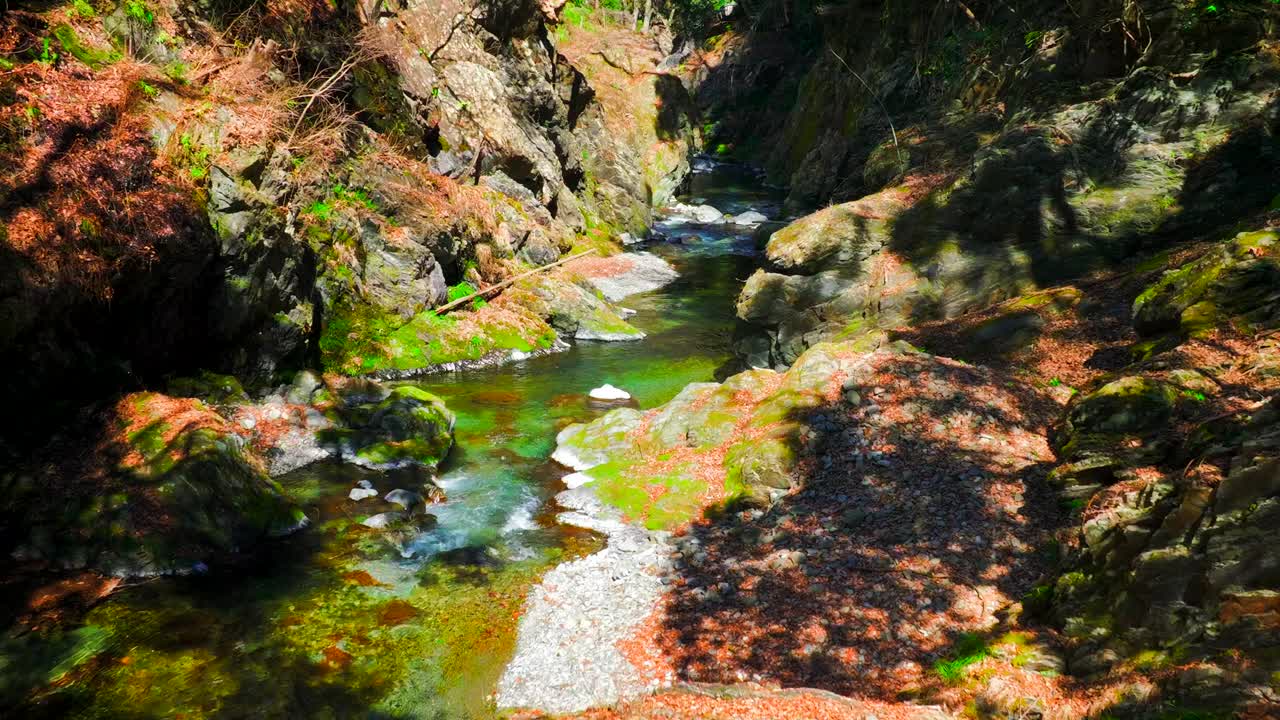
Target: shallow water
343,621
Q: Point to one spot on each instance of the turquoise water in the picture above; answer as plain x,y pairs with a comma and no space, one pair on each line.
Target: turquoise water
343,621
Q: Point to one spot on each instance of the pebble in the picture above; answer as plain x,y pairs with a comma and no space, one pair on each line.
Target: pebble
567,657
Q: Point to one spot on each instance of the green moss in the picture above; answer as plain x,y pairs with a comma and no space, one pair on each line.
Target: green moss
660,501
424,452
72,45
209,387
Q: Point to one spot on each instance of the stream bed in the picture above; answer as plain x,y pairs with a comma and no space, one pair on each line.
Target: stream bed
344,621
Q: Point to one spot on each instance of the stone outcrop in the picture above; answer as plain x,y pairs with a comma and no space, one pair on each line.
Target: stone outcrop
1009,191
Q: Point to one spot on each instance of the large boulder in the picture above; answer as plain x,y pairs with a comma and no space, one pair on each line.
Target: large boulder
1238,280
409,427
171,485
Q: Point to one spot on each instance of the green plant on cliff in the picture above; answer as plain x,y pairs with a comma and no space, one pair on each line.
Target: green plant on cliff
139,11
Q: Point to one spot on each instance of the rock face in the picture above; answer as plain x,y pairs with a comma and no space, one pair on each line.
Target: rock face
1176,545
628,274
470,150
1236,280
964,209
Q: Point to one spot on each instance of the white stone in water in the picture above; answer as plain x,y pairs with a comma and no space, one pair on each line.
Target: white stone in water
518,355
383,520
359,494
577,479
365,484
609,392
750,217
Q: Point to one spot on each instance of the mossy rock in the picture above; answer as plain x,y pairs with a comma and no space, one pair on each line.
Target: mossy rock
1130,404
210,387
178,487
840,234
1240,279
585,445
760,468
1119,420
410,426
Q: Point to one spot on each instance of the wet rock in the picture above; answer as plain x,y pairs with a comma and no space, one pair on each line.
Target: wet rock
386,520
359,493
584,446
404,498
411,426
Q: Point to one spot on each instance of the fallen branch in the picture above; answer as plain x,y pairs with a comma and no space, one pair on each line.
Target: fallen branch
492,288
346,67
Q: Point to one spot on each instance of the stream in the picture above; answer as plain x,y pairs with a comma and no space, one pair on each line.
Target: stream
343,621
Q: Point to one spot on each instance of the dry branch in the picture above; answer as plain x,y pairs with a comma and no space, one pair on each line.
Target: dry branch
492,288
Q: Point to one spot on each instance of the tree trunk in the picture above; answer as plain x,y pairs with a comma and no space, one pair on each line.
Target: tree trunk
648,8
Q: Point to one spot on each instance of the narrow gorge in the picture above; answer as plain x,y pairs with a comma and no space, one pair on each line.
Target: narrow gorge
606,359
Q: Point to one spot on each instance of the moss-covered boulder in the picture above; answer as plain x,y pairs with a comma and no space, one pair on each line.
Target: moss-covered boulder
1238,281
740,440
582,446
839,235
1118,424
410,427
170,485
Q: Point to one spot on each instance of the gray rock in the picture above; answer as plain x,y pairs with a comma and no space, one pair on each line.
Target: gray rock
406,499
303,387
748,218
647,272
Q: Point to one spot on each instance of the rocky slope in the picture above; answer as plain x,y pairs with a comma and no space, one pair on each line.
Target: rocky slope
266,191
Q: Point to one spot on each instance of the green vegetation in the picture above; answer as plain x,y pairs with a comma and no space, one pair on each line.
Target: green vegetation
48,56
969,649
73,46
459,291
81,8
138,10
194,156
661,501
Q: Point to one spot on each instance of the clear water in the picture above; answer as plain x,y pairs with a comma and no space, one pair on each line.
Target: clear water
342,621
